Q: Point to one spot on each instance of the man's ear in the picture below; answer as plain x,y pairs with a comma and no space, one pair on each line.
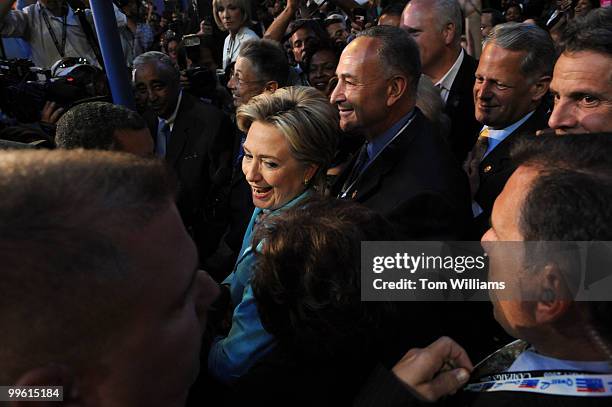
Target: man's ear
448,32
271,86
398,85
554,295
540,88
52,375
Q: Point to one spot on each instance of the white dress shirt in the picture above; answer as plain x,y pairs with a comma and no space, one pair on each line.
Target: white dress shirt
446,83
30,25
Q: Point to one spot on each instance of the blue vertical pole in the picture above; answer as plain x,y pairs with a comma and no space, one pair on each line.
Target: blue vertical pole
114,61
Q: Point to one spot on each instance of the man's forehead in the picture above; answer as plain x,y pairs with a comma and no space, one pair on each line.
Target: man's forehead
302,33
358,55
585,61
415,15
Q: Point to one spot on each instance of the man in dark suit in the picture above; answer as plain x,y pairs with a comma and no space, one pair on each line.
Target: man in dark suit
194,138
405,171
436,27
511,85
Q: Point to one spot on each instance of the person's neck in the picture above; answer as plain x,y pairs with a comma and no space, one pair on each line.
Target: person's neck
58,9
131,24
583,347
443,64
393,117
233,33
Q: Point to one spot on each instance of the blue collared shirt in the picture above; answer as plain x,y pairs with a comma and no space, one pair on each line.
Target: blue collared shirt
247,342
531,360
379,143
497,136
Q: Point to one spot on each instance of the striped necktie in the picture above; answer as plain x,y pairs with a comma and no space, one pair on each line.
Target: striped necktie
474,159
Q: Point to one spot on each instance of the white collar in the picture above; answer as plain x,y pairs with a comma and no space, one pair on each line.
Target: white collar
170,120
500,134
449,77
530,360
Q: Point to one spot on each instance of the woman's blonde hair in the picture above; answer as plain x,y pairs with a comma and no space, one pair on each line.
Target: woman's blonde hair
243,5
306,119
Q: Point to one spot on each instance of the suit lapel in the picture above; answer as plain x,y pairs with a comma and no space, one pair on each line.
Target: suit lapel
460,87
501,153
180,131
371,178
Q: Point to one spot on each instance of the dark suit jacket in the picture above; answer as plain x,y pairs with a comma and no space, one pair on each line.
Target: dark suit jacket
496,167
460,109
417,185
200,144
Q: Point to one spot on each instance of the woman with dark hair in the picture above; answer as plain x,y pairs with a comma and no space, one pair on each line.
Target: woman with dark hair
307,285
321,68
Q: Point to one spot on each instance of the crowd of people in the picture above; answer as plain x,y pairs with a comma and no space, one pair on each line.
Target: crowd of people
203,245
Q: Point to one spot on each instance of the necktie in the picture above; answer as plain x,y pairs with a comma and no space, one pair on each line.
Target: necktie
362,158
474,159
163,134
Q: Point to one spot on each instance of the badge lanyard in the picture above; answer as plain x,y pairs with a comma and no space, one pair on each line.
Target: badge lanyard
561,383
60,48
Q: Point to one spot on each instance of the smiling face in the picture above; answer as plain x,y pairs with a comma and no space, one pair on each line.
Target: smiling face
274,175
158,87
322,68
502,94
361,92
230,15
582,88
244,84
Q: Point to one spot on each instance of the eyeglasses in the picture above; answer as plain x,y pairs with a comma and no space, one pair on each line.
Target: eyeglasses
239,81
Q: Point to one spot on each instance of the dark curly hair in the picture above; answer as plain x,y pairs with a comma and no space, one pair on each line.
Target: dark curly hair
307,278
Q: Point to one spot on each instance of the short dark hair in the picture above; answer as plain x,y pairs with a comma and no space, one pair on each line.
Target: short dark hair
307,277
497,17
92,126
570,199
61,213
398,51
268,58
393,9
309,24
321,48
592,32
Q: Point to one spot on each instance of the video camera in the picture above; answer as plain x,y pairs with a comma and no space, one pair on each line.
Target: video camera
202,80
24,88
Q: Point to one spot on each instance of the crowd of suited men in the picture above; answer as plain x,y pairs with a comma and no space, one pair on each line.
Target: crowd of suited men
202,247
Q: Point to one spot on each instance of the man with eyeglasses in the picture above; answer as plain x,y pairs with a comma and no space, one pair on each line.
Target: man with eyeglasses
261,67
